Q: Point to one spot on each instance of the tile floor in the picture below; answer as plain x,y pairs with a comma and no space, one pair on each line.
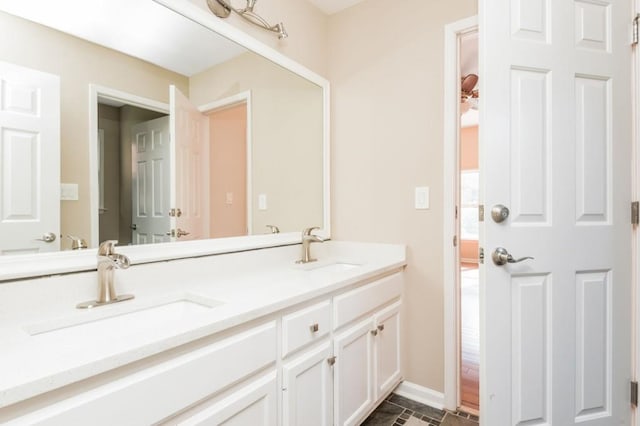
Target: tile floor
399,411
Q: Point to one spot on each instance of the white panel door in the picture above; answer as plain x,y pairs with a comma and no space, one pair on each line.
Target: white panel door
190,188
307,383
555,146
29,160
353,373
150,188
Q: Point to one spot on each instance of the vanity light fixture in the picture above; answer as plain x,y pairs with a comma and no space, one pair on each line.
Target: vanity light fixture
222,9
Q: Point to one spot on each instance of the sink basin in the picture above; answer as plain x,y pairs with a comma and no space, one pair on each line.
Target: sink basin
332,267
141,318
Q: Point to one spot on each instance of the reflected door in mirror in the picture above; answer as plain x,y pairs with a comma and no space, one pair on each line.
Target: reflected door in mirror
151,149
29,160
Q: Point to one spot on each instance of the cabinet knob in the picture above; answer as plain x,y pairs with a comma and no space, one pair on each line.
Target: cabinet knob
331,360
314,328
374,332
381,327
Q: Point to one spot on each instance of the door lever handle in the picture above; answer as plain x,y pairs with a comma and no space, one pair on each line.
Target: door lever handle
47,237
501,257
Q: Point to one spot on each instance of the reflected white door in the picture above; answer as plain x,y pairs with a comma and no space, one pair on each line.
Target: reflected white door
29,160
190,188
556,149
151,176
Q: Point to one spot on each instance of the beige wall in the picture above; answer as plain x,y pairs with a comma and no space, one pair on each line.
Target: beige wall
80,63
469,148
469,161
228,171
286,143
386,71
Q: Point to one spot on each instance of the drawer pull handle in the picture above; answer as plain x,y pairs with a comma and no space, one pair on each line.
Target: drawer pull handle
374,332
381,327
314,328
331,360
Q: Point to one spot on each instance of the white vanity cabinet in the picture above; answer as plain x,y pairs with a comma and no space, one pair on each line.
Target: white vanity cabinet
307,388
165,386
367,349
307,376
254,404
319,361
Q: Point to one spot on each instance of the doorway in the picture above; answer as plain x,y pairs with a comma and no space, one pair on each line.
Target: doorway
468,202
462,177
111,117
125,182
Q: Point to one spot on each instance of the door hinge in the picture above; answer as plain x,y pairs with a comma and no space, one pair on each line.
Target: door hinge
635,213
175,213
481,213
636,36
455,241
634,393
481,255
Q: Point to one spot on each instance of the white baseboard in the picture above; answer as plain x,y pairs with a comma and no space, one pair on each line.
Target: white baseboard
421,394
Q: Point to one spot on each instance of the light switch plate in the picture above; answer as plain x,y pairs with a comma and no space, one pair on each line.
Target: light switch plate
422,198
69,191
229,198
262,202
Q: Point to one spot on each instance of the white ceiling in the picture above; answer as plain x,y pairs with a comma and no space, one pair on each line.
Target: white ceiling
147,30
469,54
333,6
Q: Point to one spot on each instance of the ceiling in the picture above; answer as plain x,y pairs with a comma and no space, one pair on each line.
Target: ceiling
469,54
333,6
147,31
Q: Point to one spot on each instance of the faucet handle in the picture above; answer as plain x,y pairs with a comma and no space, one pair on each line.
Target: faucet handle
307,231
107,247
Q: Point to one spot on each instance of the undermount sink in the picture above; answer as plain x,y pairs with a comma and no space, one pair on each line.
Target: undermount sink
123,321
331,267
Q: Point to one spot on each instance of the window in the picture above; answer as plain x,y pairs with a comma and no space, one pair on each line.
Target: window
469,200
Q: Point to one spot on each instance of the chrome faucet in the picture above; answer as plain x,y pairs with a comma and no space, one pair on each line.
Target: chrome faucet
108,261
307,239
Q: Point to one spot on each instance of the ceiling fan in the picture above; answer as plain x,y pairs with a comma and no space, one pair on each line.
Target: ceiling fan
468,93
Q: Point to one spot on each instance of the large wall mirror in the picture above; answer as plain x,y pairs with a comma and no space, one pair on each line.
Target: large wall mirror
167,130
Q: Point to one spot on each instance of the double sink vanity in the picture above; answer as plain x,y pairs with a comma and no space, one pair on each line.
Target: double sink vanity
210,324
243,338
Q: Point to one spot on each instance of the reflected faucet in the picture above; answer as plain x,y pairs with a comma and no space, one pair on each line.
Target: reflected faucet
273,229
108,261
307,239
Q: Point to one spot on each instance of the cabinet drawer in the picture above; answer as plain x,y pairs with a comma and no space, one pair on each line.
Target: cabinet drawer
354,304
155,393
305,326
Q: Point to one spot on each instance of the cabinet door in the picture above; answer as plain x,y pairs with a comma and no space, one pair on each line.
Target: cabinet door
387,349
255,404
353,390
308,388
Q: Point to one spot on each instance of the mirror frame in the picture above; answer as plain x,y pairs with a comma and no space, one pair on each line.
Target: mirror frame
44,264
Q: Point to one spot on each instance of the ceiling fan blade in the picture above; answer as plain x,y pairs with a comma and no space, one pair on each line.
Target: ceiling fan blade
468,83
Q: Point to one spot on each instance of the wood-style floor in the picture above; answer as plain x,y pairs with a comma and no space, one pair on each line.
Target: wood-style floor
470,337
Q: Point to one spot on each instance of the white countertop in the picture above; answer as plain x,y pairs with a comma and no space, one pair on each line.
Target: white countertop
249,285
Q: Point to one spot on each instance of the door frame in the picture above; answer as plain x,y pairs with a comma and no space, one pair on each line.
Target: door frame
220,104
452,33
635,194
97,92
